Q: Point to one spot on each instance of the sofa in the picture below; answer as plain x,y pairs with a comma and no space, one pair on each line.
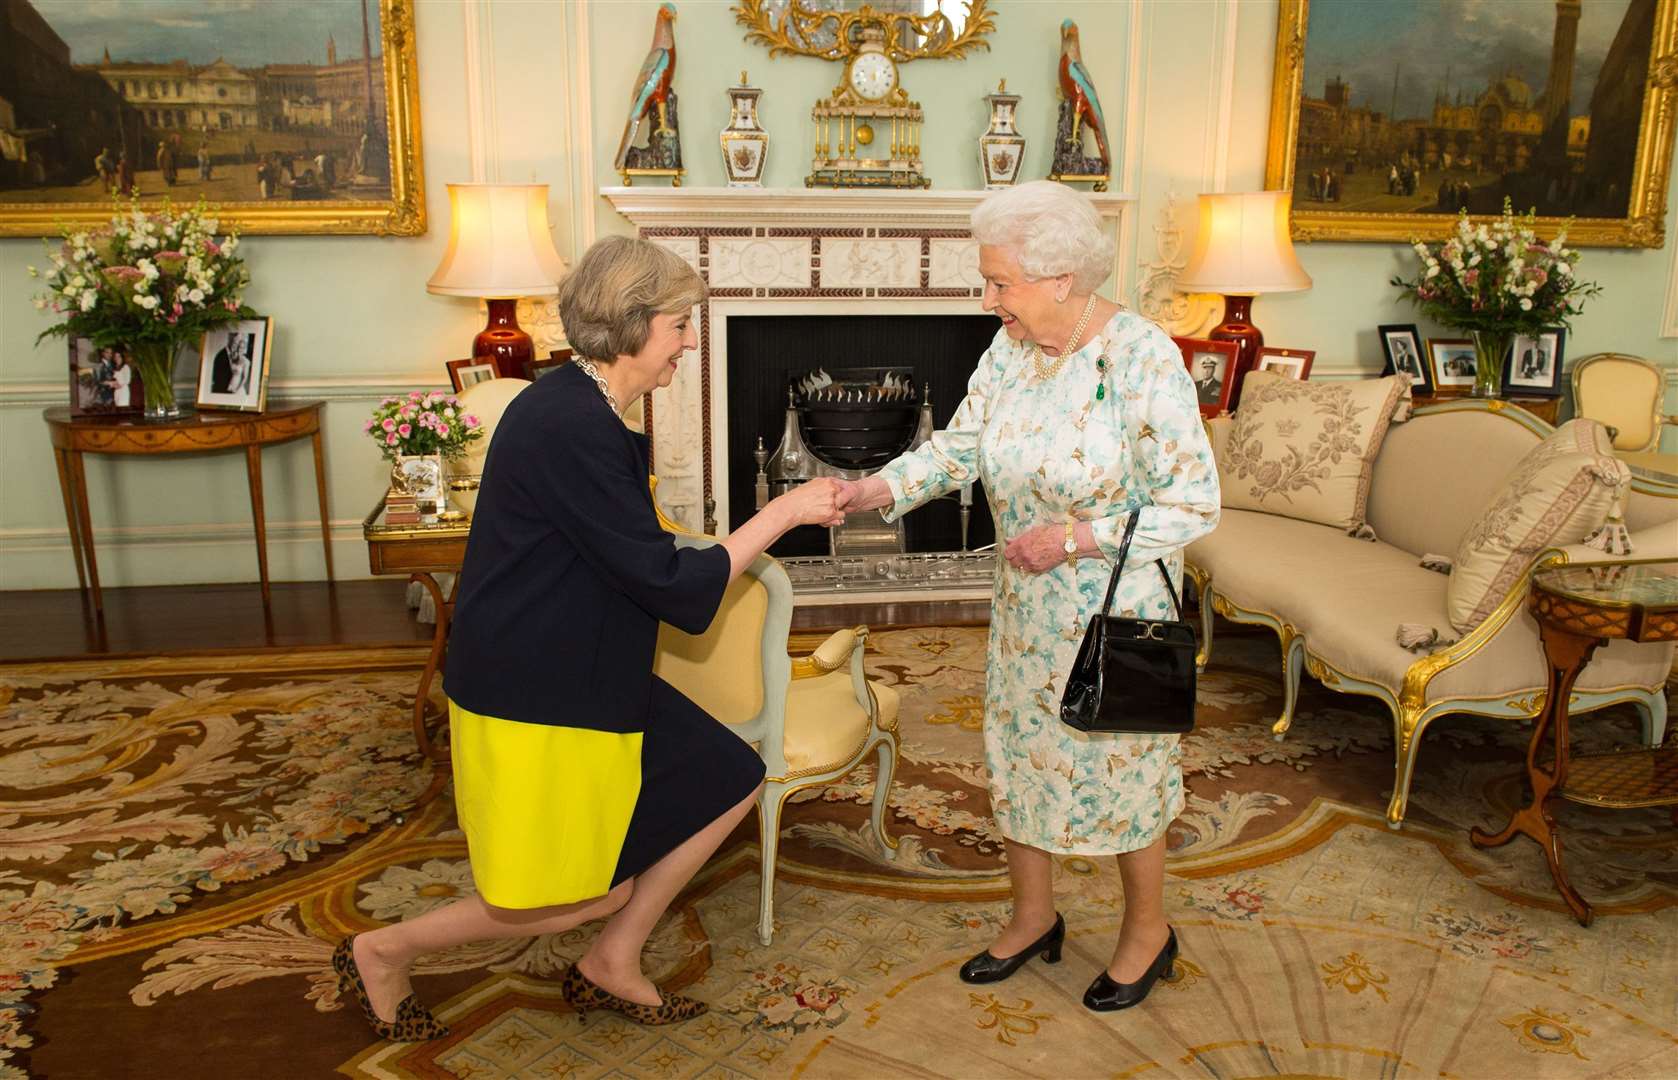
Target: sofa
1335,600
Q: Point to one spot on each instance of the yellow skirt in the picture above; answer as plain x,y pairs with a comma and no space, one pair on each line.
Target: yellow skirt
545,808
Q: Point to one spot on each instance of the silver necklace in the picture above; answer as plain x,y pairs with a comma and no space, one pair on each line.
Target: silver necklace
599,380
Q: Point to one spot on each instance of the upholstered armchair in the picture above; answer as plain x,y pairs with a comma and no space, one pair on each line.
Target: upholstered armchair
812,719
1626,393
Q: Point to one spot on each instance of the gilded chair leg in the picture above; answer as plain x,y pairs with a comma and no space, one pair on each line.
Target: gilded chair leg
887,750
1651,709
1293,667
769,840
1204,656
1408,725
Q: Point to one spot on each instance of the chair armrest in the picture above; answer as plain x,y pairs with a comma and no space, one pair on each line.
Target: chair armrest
830,655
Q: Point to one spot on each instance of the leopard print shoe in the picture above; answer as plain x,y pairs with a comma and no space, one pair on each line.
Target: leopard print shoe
413,1023
583,995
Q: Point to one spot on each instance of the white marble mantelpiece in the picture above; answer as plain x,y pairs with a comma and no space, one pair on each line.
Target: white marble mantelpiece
792,251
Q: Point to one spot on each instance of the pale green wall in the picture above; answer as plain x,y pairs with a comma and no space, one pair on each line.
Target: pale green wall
353,320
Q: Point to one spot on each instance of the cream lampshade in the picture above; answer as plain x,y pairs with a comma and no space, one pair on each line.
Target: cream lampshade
1243,249
500,248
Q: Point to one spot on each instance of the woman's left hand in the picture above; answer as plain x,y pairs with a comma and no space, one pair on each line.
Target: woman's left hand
1039,548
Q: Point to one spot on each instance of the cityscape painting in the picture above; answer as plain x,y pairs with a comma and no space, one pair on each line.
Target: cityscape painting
290,116
1389,119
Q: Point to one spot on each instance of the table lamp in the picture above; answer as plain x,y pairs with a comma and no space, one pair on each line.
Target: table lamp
1241,250
499,249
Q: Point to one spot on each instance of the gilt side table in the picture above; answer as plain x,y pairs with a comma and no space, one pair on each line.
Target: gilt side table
191,433
1578,608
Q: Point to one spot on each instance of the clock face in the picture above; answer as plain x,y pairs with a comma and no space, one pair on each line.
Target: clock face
873,76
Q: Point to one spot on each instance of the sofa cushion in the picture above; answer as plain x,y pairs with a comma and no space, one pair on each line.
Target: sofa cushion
1306,449
1559,493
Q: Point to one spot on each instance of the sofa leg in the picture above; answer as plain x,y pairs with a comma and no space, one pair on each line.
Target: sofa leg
1652,711
882,792
1293,667
1407,737
1204,656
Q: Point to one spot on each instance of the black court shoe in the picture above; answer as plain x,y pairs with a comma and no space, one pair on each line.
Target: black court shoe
986,968
1108,995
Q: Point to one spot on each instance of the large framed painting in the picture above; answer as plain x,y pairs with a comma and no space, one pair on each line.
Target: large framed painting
288,116
1387,119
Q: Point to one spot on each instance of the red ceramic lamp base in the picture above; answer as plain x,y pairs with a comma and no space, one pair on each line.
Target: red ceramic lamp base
504,342
1237,327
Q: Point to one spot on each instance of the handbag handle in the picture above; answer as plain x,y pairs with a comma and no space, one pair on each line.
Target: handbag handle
1118,569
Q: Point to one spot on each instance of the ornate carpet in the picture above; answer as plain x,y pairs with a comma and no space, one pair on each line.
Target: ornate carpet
182,841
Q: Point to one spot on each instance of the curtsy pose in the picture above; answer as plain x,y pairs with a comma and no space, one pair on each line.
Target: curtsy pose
587,787
1079,413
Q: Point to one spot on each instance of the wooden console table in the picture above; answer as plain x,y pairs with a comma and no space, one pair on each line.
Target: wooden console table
191,433
421,552
1578,608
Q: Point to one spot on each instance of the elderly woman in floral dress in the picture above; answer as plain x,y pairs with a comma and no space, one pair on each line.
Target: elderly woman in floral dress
1078,414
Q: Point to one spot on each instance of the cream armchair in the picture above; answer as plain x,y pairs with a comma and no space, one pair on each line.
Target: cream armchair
812,719
1625,393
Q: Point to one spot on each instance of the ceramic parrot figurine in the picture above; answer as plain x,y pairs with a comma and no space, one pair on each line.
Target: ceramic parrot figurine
652,85
1079,88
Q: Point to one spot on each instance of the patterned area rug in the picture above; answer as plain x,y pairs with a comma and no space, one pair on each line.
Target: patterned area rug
182,841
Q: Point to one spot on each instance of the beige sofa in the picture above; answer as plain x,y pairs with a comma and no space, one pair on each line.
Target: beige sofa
1336,602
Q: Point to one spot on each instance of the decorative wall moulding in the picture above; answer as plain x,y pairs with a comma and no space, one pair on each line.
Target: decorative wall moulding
652,207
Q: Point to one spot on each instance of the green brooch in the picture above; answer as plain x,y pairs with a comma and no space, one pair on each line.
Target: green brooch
1101,386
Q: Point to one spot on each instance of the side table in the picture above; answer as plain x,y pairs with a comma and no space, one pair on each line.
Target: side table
1578,608
192,433
421,552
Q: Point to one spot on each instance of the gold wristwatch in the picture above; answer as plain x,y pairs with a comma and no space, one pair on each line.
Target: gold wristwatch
1071,545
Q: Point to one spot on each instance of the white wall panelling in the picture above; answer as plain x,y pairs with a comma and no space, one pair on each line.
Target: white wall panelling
478,40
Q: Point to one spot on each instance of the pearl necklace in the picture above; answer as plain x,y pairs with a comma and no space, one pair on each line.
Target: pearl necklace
1049,371
593,372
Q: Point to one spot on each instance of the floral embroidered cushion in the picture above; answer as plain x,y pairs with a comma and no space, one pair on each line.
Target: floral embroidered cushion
1306,449
1558,494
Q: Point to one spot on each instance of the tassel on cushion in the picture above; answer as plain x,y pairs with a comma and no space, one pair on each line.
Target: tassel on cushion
1362,531
1417,638
1613,538
1439,564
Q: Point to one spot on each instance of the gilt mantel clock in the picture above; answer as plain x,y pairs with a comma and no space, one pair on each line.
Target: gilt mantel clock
867,130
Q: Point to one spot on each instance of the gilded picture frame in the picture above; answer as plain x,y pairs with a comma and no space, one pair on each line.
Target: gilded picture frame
277,147
1317,176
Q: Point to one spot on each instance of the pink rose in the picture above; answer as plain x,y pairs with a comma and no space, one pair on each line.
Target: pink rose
406,411
389,424
405,430
443,430
391,440
471,421
415,395
368,426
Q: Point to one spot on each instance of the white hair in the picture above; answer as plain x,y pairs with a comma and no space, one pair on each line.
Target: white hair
1052,230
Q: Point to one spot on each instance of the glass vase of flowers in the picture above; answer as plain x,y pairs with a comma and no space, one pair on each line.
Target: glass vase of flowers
417,434
148,283
1496,281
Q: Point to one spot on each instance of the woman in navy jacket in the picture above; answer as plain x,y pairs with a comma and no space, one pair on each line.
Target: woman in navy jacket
587,787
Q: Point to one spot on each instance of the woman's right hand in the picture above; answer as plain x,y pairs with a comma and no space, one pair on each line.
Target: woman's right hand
817,502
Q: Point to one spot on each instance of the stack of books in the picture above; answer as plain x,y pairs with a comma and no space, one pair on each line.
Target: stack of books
401,509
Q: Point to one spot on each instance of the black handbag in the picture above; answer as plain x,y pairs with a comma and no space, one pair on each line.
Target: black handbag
1132,675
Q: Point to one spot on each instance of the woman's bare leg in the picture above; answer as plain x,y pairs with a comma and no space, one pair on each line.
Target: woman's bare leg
613,962
1031,877
1144,931
384,956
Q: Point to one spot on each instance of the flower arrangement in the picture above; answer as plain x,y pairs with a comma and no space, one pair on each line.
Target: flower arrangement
423,423
148,283
1497,280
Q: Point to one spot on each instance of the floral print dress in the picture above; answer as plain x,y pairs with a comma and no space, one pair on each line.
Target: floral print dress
1048,450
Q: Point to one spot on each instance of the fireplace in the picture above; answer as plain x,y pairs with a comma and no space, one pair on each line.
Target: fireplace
765,352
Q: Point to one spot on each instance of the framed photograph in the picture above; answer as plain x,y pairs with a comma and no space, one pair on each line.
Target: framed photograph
470,372
1452,363
1292,363
103,382
1534,364
233,366
1401,343
1210,364
1387,119
557,358
273,112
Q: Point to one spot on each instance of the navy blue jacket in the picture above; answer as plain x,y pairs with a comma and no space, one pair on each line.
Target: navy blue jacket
568,572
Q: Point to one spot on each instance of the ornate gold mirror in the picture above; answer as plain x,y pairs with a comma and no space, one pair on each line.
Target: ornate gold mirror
833,29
